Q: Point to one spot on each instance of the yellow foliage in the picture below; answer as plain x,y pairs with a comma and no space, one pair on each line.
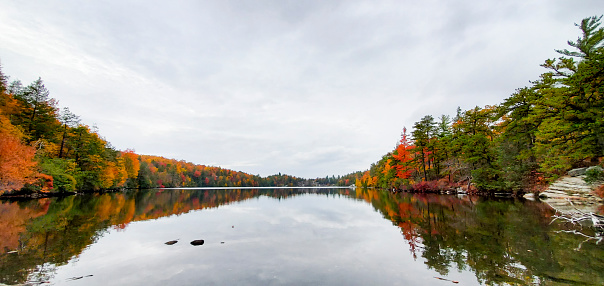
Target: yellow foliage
107,177
131,163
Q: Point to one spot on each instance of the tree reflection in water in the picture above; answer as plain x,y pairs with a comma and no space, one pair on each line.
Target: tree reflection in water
502,241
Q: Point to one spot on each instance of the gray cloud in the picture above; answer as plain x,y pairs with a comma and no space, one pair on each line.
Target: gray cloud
309,88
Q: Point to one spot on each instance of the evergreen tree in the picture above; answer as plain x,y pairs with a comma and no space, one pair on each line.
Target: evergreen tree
423,133
516,144
571,106
39,115
474,140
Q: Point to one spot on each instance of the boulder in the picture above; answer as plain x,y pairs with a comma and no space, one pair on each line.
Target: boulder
571,193
577,172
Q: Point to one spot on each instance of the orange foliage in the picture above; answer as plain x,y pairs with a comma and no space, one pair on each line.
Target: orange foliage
16,162
15,219
46,182
131,163
387,167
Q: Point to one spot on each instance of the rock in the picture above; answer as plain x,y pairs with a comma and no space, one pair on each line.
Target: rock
529,196
598,168
577,172
565,190
197,242
171,242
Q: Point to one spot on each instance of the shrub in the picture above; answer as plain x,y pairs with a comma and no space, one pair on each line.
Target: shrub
594,175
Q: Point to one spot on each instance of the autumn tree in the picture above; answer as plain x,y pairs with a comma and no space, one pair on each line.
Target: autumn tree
403,157
17,165
132,165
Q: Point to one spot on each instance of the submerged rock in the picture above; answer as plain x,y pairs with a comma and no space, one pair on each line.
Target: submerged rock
197,242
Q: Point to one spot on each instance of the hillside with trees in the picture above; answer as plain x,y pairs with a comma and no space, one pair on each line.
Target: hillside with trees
46,149
534,136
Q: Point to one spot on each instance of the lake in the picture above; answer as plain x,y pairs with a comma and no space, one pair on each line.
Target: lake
287,236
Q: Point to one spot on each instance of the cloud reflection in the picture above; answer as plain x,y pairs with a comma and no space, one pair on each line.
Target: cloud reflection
305,240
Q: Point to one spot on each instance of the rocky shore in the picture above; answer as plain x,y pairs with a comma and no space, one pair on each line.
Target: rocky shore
571,192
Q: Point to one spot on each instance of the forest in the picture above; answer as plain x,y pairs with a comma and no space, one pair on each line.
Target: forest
520,145
48,150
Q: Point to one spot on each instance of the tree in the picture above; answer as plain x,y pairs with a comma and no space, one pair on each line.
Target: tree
422,137
403,157
474,142
38,117
16,161
69,120
590,43
571,106
17,165
516,154
3,82
441,144
132,165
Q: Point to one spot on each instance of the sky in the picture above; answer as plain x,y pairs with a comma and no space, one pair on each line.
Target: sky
305,88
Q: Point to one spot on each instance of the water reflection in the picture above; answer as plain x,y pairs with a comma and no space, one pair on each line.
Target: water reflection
289,236
501,241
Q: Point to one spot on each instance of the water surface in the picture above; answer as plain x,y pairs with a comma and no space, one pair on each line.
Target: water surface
290,237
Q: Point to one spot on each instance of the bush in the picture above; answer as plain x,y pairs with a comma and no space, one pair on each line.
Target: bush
600,193
594,174
64,183
62,171
425,187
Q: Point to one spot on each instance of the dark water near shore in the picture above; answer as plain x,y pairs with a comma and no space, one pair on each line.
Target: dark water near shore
290,237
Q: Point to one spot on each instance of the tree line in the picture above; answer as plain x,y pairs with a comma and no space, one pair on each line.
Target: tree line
47,149
534,136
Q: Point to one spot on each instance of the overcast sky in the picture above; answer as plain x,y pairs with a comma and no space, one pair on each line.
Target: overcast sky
307,88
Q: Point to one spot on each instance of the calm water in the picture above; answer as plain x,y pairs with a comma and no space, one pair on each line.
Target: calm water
290,237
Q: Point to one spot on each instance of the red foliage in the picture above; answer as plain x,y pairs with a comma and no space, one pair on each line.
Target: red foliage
425,186
403,157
